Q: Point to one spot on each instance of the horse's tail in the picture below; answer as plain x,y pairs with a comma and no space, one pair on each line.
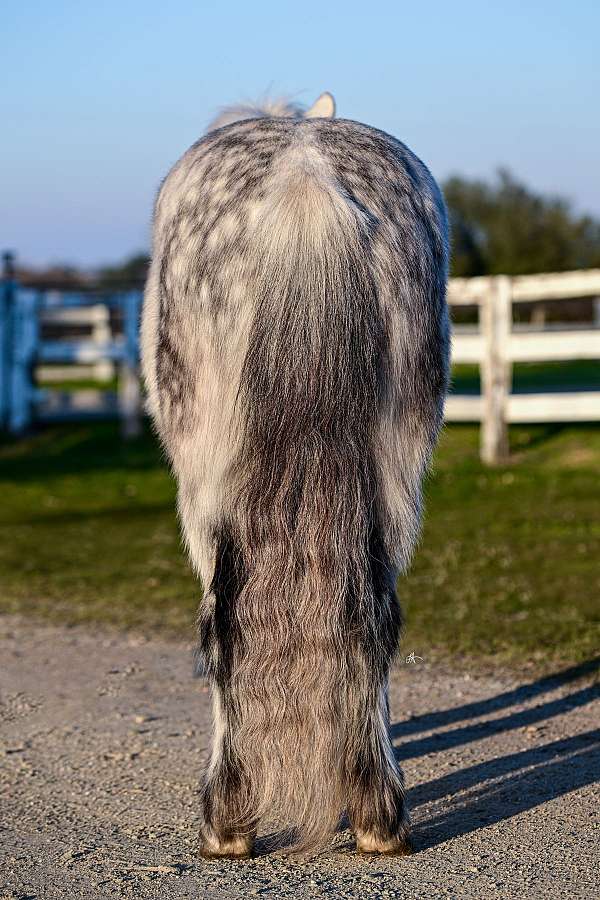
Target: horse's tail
300,629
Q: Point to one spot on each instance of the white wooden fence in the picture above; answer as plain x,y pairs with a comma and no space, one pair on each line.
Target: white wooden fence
25,353
497,343
94,319
494,345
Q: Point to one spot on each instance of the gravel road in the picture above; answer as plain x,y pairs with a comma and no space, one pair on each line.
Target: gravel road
104,737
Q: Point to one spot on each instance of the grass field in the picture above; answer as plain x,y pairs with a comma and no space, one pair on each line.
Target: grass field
571,375
506,573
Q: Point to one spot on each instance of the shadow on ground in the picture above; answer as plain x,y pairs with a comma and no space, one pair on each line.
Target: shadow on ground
501,787
489,792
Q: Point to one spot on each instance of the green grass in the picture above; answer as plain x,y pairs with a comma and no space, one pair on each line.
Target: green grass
583,374
508,566
507,569
80,384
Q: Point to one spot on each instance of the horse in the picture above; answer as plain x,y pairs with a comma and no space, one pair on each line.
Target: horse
295,351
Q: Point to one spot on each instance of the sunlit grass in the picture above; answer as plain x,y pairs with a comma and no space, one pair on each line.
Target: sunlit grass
507,569
569,375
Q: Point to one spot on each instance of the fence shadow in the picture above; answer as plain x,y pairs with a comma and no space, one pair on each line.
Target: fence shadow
68,449
500,788
497,789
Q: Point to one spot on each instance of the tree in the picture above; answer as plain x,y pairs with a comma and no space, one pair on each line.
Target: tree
506,228
131,273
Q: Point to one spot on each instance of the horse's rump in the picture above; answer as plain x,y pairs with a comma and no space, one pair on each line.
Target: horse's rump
296,352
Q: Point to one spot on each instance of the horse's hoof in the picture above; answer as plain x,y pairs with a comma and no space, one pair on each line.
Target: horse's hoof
229,848
369,843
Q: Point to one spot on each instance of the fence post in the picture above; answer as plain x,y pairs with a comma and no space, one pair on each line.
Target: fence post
495,314
104,369
130,399
7,293
24,340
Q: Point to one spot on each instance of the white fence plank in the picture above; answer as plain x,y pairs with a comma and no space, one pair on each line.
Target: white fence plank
80,351
464,408
56,405
468,291
580,406
572,406
556,286
528,288
467,348
554,345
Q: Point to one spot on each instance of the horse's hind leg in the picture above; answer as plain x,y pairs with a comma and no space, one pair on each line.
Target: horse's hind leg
225,797
227,828
376,803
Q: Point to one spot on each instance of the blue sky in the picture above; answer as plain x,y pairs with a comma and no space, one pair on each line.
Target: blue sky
99,99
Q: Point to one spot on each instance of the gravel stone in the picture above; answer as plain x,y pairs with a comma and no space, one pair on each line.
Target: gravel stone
501,777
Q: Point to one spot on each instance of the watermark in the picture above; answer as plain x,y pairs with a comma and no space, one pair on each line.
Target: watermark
411,659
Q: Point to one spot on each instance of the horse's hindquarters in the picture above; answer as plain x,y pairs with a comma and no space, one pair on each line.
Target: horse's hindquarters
296,345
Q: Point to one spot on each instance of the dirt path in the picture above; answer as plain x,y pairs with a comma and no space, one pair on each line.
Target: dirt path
103,739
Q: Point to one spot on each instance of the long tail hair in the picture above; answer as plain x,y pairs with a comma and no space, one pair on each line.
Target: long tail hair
302,534
295,348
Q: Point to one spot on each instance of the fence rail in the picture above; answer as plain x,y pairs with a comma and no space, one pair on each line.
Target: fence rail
528,288
494,344
26,353
497,343
96,319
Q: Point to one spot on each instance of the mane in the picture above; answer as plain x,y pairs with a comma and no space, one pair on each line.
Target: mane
277,107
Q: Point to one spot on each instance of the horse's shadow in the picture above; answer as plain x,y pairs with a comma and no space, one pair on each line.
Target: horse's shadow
488,792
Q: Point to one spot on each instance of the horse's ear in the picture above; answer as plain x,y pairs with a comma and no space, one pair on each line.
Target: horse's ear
322,108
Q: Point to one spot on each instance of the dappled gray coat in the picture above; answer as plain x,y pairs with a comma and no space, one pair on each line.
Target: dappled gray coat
295,353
